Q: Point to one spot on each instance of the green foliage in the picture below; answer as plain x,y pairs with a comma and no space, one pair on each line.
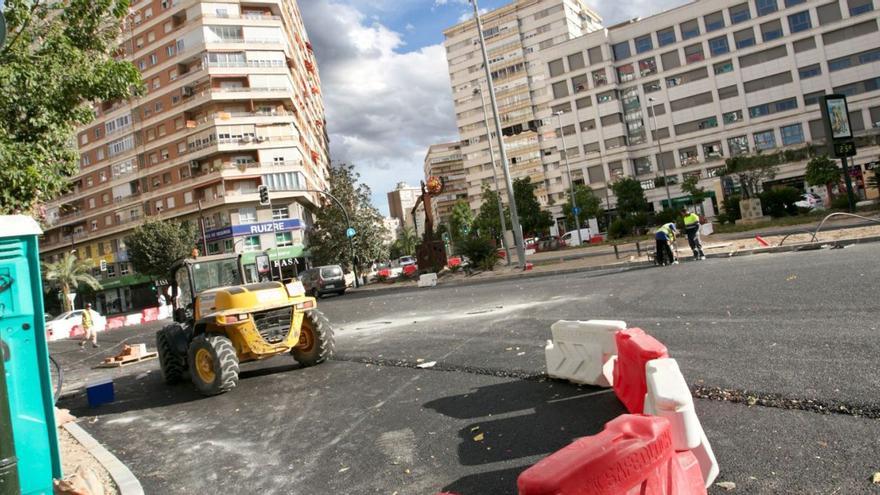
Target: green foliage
69,273
58,58
406,243
532,217
780,201
753,170
461,221
633,224
155,245
691,186
630,197
590,206
665,216
481,252
488,221
822,171
327,240
841,202
730,211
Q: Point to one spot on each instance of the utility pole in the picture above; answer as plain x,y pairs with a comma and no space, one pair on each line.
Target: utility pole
202,227
511,200
574,207
660,152
495,176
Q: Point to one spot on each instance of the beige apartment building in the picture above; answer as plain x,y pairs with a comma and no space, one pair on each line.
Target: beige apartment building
233,102
445,161
400,204
516,37
720,79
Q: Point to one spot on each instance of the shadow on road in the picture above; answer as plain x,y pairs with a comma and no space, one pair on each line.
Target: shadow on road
553,415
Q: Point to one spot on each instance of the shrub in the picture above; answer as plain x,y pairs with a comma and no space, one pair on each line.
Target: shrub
665,216
481,252
780,201
618,229
841,202
730,209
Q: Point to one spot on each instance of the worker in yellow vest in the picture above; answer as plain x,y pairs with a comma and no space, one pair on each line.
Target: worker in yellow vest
692,229
665,236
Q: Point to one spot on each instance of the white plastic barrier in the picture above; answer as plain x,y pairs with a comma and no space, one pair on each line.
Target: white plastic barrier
428,280
165,312
669,397
134,319
581,351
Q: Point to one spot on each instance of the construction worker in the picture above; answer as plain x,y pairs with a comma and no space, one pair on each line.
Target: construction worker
88,324
692,229
665,236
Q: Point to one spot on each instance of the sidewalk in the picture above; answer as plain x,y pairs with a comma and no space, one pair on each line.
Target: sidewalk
597,258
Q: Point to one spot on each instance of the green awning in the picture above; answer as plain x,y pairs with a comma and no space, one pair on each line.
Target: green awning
275,254
125,281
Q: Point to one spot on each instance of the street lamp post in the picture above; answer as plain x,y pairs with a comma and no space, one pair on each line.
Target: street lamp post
495,176
660,152
514,215
574,206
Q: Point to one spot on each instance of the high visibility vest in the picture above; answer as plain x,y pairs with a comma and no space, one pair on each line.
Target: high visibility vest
666,230
691,219
87,319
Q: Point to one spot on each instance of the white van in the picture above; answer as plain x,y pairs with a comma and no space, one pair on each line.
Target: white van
571,237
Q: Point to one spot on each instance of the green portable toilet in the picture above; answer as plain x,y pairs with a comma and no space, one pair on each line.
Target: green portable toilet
26,356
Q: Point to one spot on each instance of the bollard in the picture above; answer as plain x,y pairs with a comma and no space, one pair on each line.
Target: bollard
638,249
9,484
616,253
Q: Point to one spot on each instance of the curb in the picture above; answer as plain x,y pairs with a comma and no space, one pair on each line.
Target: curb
623,266
122,476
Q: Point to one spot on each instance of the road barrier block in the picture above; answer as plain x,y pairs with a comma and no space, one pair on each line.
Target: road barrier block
669,397
634,349
115,322
428,280
632,455
150,314
580,351
133,319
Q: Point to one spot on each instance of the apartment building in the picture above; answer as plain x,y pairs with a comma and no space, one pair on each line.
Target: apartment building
687,88
233,102
445,161
400,204
516,37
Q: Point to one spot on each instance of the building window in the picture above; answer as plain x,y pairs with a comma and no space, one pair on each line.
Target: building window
732,117
690,29
792,3
792,134
713,151
111,270
644,44
283,239
723,67
765,140
738,145
626,73
694,53
714,21
739,13
800,21
765,7
718,46
810,71
666,37
621,50
247,215
228,245
858,7
252,244
647,67
599,78
282,213
744,39
213,247
771,30
123,269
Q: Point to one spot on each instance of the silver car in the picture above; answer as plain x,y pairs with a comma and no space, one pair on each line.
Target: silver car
323,280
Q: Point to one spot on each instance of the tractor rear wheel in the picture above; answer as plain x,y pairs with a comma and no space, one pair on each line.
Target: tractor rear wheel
213,364
171,364
316,341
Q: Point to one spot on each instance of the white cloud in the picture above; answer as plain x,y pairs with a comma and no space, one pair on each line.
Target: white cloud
384,108
614,12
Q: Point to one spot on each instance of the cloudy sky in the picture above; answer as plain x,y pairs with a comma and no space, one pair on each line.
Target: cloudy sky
386,83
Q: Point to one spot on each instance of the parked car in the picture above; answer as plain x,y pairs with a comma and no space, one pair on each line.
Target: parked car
810,200
406,260
69,324
571,237
323,280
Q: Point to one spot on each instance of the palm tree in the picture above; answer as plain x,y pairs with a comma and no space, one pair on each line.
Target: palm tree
408,241
69,272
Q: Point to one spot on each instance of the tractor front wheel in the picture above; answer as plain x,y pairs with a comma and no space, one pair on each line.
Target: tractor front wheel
213,364
316,341
171,364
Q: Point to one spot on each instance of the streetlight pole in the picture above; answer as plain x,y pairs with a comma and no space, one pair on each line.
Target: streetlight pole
660,152
574,206
354,263
495,176
511,200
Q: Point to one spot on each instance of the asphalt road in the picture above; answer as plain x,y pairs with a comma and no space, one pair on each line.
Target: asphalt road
774,328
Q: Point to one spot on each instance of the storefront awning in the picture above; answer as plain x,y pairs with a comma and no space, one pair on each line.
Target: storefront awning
275,254
125,281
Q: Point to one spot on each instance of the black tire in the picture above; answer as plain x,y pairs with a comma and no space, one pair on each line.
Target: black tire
213,364
314,293
317,335
172,365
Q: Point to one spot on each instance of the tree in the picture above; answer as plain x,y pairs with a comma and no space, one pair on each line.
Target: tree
532,217
407,241
461,221
691,185
69,273
590,206
488,221
154,246
752,171
58,58
822,171
630,196
327,240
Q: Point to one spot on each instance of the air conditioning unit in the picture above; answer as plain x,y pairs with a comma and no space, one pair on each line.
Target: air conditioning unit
186,91
247,139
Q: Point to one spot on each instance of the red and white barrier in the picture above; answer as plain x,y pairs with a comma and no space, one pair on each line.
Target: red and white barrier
634,349
133,319
669,397
581,351
633,455
115,322
150,314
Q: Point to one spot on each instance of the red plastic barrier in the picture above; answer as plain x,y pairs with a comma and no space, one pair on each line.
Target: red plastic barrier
115,322
597,239
76,331
761,241
454,261
150,314
409,269
632,455
384,272
634,349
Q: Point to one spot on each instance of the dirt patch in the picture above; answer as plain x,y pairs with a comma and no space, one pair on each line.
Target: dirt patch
76,459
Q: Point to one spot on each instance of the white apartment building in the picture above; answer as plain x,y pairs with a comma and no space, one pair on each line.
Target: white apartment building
724,78
444,160
400,204
516,37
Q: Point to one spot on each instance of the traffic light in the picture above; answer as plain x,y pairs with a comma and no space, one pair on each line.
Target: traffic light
264,195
